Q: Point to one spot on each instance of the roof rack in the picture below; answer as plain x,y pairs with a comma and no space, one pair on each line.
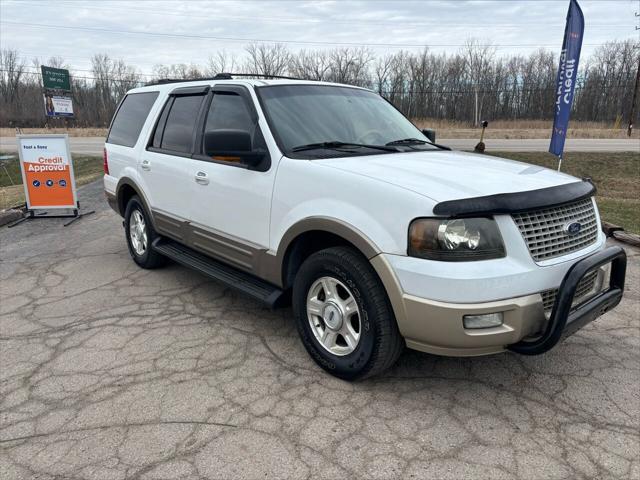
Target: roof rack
229,76
220,76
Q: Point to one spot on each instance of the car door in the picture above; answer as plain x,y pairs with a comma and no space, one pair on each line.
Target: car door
166,164
232,202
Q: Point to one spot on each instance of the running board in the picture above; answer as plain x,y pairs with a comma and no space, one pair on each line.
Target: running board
232,277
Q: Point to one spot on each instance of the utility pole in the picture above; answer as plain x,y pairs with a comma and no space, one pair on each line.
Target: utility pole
632,113
475,117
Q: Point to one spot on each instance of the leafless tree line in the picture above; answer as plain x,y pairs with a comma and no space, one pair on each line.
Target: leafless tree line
469,85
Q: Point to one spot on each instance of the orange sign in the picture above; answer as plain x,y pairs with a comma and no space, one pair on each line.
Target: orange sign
47,171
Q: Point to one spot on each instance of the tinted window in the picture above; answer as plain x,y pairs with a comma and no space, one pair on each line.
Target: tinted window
230,111
305,114
130,118
178,131
157,135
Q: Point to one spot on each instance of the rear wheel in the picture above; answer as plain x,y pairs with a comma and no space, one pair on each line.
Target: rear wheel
343,315
140,235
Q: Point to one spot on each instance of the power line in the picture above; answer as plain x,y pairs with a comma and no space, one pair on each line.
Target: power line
137,74
319,21
263,40
38,74
32,56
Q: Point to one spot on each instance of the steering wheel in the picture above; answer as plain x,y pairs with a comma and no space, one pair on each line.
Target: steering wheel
371,137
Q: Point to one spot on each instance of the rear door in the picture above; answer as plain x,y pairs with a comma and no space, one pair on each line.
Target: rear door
166,166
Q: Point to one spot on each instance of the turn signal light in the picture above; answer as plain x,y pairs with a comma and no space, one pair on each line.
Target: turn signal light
486,320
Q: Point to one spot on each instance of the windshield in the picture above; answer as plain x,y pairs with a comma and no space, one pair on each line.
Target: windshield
330,117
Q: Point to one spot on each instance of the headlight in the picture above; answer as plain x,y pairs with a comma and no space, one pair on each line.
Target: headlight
456,240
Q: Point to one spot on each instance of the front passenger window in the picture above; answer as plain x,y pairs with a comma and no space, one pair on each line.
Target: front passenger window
229,111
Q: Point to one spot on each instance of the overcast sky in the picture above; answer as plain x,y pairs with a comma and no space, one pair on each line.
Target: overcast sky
189,31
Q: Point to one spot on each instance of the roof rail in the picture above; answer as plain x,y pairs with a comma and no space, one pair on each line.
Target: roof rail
220,76
256,75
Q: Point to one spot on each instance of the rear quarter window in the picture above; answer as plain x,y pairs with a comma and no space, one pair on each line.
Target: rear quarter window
130,118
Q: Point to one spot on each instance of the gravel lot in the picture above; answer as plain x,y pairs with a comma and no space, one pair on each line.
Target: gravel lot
109,371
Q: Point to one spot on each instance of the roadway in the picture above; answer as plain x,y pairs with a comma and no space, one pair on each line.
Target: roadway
112,371
94,145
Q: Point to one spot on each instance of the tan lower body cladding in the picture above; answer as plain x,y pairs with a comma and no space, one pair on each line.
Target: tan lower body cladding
436,327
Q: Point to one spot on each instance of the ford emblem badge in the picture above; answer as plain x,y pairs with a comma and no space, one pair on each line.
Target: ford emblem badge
573,228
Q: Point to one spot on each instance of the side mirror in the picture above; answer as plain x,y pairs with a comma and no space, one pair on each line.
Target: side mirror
231,146
430,134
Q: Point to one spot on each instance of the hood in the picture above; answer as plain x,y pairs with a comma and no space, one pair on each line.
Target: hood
446,175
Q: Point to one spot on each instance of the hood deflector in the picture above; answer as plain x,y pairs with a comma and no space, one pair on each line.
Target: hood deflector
507,203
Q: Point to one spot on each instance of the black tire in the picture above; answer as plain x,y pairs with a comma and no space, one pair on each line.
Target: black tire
150,258
380,341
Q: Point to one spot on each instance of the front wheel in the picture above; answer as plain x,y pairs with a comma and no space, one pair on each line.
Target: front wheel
343,315
140,235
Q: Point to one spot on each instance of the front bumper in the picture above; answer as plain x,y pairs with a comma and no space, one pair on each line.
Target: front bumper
564,320
437,327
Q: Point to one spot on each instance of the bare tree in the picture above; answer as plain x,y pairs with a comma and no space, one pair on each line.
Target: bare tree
421,84
13,69
111,80
221,62
350,65
178,71
478,59
311,65
266,59
382,71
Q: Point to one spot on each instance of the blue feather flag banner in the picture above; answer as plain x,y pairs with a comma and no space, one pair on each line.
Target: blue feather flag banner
567,75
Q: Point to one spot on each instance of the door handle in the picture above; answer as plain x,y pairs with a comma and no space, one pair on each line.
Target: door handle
202,178
145,165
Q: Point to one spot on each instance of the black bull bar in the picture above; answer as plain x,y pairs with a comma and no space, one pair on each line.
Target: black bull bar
564,321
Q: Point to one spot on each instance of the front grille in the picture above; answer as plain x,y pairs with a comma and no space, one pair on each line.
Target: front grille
544,230
584,288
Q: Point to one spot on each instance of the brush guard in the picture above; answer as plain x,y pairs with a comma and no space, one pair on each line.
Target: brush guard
564,320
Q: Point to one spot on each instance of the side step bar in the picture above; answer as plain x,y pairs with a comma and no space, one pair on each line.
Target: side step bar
232,277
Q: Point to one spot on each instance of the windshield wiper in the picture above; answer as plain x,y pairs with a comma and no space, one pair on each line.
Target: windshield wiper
337,145
407,141
415,141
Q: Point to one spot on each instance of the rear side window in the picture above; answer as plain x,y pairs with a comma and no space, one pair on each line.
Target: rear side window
130,118
178,131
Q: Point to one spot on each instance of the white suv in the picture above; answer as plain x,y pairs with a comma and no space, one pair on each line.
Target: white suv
325,196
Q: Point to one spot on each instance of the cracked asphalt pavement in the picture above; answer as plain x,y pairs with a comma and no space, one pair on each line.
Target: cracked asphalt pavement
108,371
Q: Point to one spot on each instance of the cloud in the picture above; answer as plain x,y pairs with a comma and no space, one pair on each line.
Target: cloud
408,24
